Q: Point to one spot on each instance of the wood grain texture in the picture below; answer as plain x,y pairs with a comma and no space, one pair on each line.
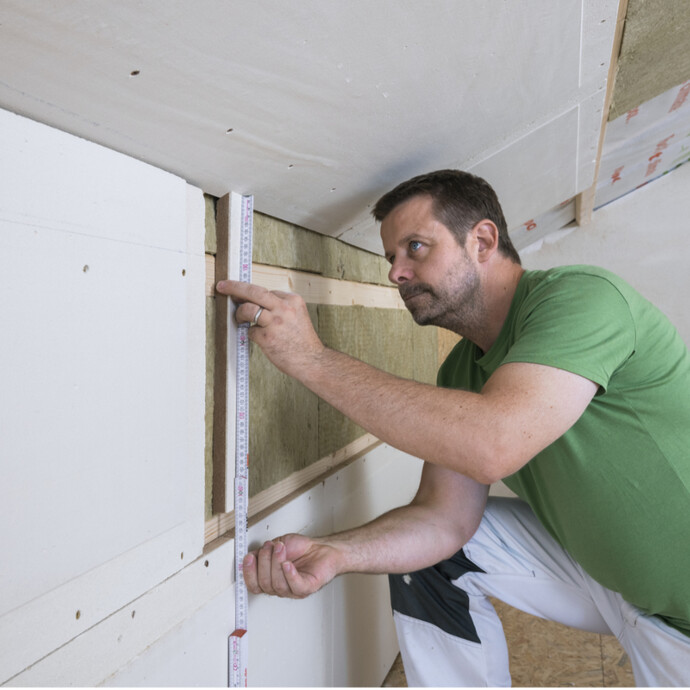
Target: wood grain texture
584,201
225,265
315,288
546,654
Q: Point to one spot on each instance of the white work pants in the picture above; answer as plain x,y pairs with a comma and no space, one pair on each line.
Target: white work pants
450,634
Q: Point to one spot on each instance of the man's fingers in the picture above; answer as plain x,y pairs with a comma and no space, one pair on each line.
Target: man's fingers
300,586
278,581
264,568
248,292
271,570
246,313
249,569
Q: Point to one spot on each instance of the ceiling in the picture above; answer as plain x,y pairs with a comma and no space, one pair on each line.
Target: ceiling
317,107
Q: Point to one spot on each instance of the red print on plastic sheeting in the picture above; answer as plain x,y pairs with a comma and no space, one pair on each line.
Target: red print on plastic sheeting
631,114
655,158
616,177
682,96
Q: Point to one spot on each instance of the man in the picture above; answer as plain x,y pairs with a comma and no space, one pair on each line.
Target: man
568,385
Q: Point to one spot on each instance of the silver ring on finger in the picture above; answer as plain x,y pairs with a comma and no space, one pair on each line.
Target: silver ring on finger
254,321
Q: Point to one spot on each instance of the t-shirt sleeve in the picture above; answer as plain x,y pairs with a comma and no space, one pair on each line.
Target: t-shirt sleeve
577,322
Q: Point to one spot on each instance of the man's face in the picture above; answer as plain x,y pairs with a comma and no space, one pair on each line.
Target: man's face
436,277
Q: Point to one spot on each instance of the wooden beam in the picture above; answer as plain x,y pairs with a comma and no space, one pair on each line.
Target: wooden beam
315,288
225,266
272,498
584,202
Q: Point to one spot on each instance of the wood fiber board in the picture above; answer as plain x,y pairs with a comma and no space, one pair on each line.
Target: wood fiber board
655,52
278,243
208,416
283,423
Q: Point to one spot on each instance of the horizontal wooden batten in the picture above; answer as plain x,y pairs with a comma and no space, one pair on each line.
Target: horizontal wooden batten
300,481
314,288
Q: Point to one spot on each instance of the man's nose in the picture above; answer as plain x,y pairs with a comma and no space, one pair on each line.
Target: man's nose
400,272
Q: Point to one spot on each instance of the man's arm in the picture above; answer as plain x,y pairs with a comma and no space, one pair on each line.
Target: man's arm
439,521
487,436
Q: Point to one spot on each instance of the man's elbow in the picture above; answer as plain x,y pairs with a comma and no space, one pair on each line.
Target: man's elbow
496,462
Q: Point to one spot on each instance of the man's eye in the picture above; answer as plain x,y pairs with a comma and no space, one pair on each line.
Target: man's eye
415,245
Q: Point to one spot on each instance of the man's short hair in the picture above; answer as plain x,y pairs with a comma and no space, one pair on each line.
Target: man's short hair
459,200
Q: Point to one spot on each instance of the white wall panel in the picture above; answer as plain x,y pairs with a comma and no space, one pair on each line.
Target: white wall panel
102,371
643,237
342,635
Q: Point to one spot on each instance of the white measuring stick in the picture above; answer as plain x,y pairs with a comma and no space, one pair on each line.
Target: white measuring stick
238,651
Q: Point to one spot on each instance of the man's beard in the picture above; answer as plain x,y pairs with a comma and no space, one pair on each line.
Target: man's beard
455,306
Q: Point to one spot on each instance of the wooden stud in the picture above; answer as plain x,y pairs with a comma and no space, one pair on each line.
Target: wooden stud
228,219
584,202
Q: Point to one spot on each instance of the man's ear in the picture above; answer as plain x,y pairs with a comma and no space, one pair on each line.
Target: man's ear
486,234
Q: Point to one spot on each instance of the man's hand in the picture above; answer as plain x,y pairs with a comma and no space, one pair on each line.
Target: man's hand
439,521
283,329
291,566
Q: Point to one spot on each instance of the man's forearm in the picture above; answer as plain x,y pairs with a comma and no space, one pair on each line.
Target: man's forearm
403,540
442,517
436,524
488,435
420,419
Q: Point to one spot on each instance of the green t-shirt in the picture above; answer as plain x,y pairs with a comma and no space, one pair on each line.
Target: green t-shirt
614,490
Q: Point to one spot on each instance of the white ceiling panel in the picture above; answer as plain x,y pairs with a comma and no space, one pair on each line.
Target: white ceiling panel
318,106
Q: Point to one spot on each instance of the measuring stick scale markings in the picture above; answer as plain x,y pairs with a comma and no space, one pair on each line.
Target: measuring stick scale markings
237,642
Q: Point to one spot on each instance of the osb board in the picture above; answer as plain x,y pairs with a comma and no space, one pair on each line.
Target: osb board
279,243
618,671
655,52
546,654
